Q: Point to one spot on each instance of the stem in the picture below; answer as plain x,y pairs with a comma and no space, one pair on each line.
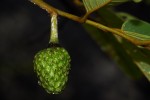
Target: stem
44,6
118,32
51,9
54,29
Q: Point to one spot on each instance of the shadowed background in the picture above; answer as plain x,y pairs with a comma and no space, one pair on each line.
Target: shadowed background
24,30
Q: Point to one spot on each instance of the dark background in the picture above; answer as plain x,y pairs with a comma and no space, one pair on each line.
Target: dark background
24,30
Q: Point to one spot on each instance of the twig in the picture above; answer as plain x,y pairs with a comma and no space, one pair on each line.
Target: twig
51,9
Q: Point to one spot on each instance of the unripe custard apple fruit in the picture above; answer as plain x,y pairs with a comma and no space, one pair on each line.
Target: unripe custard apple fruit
52,66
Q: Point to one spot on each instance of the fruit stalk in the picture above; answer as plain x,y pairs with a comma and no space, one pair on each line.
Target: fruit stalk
52,64
54,30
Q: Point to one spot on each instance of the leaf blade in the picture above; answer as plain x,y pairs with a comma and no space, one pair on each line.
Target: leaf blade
137,29
92,5
132,56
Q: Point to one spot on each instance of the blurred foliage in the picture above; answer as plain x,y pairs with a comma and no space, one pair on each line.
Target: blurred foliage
147,1
129,56
110,44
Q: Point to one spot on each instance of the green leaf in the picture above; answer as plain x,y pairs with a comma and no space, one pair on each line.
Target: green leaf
145,68
121,1
137,1
137,29
92,5
139,56
115,2
125,16
109,43
141,59
127,55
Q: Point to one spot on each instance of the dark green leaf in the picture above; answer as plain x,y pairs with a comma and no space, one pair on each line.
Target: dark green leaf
110,44
137,29
92,5
130,57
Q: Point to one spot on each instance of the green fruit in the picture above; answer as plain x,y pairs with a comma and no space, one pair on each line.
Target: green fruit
52,67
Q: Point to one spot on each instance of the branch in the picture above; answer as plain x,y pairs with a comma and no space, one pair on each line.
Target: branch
51,9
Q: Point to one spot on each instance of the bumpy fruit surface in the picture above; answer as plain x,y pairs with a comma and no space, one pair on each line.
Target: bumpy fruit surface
52,67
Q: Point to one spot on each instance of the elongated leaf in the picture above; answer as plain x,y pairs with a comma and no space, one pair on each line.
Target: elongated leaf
137,29
130,56
111,46
137,1
92,5
140,56
141,59
117,2
145,68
